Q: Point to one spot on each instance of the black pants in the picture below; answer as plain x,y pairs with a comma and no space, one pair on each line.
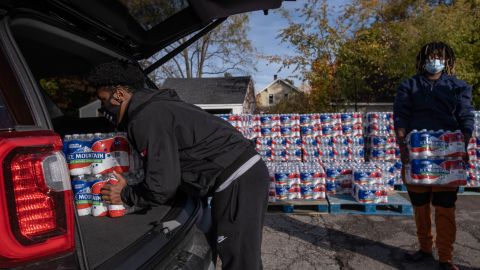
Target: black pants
238,214
444,199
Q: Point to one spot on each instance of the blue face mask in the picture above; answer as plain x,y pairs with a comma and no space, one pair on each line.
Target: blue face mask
434,66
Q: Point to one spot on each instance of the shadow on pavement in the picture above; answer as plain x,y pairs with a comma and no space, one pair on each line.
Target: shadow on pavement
340,241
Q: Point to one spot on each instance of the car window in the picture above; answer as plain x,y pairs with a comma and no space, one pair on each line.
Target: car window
150,13
14,109
66,95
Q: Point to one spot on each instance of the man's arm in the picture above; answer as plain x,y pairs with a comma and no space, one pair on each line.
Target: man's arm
464,110
155,138
464,113
401,115
402,144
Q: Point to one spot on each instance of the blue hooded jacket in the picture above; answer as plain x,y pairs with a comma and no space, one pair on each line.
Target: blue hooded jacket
442,104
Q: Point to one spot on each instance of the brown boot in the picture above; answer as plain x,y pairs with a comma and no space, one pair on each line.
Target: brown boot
446,233
418,256
423,220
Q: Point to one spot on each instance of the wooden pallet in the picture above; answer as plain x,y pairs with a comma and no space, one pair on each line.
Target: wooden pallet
346,204
469,190
300,206
400,188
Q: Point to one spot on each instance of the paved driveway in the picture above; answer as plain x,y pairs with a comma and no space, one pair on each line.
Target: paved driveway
360,242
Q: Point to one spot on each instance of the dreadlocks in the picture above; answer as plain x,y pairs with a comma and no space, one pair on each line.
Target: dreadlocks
436,49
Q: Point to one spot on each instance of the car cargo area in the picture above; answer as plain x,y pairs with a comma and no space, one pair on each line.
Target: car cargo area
59,61
104,237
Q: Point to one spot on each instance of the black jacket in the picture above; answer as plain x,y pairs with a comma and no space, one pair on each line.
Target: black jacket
182,146
433,105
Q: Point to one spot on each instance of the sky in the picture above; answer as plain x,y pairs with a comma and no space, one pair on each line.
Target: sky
263,34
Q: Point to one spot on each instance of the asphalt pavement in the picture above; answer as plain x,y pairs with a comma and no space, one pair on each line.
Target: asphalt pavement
324,241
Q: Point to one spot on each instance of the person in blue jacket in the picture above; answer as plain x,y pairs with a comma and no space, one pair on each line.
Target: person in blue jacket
433,99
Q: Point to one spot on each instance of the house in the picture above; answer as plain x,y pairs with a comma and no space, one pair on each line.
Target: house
216,95
90,110
275,92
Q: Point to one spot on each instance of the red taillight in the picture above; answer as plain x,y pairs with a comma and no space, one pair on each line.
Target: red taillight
36,205
35,209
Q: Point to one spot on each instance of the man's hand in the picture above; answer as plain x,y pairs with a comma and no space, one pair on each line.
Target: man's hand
466,159
401,135
466,137
404,156
111,194
404,174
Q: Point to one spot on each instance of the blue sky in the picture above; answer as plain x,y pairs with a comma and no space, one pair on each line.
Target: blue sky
263,34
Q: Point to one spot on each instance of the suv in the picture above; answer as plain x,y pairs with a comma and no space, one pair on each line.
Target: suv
39,227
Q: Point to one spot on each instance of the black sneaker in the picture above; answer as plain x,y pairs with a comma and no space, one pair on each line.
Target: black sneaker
418,256
447,266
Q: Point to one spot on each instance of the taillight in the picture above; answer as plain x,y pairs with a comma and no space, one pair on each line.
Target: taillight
36,206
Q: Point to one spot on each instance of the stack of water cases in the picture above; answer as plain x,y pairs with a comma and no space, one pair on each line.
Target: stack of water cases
242,122
436,158
332,137
276,125
380,136
391,173
92,159
338,177
296,181
369,184
278,137
473,172
271,174
279,149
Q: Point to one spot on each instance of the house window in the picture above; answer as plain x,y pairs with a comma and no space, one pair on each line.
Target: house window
286,95
270,99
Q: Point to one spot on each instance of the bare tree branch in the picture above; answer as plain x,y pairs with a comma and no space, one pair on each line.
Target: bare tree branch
225,49
180,70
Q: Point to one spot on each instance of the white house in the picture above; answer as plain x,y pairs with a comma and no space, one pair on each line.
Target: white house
216,95
90,110
275,92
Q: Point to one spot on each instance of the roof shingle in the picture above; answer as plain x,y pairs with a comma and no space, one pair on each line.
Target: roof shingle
223,90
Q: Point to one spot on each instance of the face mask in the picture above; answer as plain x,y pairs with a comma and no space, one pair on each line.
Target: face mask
110,111
434,66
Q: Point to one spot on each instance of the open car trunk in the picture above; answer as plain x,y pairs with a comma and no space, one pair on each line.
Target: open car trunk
55,57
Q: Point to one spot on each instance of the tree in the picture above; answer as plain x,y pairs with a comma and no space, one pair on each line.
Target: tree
384,48
69,93
316,42
225,50
363,54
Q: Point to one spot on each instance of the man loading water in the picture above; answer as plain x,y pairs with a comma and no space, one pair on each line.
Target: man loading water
188,149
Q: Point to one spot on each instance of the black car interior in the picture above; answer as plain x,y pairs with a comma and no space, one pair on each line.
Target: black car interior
49,52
